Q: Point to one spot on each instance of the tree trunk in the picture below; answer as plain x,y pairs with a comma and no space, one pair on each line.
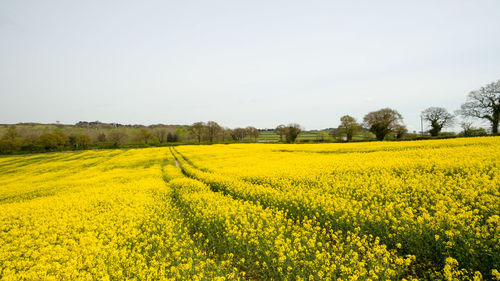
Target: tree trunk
380,136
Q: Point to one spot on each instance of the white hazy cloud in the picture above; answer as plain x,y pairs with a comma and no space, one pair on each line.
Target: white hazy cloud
241,63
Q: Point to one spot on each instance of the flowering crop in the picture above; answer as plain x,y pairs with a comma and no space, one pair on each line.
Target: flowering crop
360,211
272,247
437,200
95,216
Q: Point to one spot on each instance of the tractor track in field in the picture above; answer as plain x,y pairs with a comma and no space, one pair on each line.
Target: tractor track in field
214,255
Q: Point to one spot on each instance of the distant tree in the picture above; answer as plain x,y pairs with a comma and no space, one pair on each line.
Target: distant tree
226,132
161,134
348,126
62,137
196,129
172,137
145,134
181,132
82,141
72,141
51,141
117,137
321,136
484,104
382,122
79,141
30,141
101,137
399,131
11,133
438,118
213,130
281,131
252,132
8,146
239,134
10,141
469,131
335,134
292,131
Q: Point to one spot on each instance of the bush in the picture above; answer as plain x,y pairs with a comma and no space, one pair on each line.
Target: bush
473,132
447,135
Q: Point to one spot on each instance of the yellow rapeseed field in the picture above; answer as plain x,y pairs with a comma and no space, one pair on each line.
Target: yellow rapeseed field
427,210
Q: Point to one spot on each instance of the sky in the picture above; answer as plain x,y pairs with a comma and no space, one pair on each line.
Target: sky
241,63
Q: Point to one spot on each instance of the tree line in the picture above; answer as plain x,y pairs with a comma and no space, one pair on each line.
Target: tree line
211,131
29,138
480,104
386,123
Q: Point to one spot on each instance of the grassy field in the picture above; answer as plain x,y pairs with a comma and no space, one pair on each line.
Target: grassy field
271,136
424,210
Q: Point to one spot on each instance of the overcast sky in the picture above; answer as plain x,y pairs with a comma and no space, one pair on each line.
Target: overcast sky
241,63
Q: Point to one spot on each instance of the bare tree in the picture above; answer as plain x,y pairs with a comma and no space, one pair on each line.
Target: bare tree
399,131
438,118
382,122
239,133
226,132
348,126
101,137
161,134
484,104
213,130
197,130
321,136
280,130
253,132
334,133
292,131
469,131
117,137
